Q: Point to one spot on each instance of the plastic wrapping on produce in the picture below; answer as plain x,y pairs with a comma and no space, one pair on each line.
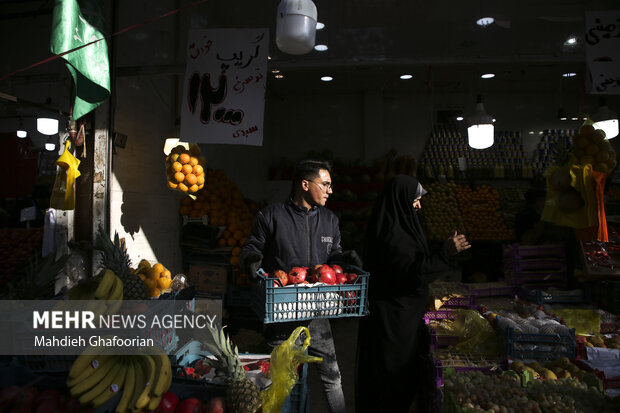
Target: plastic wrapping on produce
582,320
285,359
478,336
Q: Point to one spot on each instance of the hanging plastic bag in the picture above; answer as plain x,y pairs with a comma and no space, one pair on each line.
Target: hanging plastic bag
63,192
478,336
285,359
582,320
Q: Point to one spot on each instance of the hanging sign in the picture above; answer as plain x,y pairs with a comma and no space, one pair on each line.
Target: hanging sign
602,42
224,92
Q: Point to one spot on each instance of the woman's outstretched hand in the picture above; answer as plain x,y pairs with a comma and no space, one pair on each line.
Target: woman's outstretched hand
456,243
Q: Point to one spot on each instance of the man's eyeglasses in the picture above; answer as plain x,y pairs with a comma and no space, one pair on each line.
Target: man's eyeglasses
325,187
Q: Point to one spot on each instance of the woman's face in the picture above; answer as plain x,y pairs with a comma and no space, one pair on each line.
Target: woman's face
416,203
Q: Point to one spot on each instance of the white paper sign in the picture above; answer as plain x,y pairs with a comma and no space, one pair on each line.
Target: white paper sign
602,42
224,90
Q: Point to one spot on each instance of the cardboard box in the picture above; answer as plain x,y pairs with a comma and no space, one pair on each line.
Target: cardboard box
208,278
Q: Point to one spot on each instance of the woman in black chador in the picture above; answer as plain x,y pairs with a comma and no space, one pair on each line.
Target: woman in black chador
392,373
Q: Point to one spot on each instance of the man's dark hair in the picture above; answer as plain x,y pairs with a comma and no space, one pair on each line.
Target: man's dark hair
308,169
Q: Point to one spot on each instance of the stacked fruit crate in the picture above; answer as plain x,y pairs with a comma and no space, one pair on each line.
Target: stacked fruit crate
535,266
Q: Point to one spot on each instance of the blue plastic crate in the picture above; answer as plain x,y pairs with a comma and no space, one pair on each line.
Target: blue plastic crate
275,304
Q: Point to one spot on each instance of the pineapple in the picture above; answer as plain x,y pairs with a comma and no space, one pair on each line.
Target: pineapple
242,396
116,259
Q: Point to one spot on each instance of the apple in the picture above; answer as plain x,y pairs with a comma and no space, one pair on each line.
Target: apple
341,278
297,275
351,277
337,269
327,275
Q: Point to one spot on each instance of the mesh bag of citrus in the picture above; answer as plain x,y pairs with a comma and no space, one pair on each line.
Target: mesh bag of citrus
185,169
591,147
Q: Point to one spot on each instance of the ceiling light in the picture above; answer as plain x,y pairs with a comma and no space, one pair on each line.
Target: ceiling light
459,118
320,47
319,25
485,21
480,133
47,126
22,133
406,77
569,74
327,78
275,70
574,118
296,26
494,120
488,75
280,76
268,57
571,41
607,120
561,114
531,132
49,145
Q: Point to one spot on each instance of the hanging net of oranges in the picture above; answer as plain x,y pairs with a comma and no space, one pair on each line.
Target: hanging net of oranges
156,278
185,169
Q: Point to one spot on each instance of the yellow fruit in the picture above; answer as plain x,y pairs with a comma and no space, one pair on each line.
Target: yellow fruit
165,273
193,188
193,161
182,187
172,185
197,170
164,283
159,268
150,283
154,292
144,263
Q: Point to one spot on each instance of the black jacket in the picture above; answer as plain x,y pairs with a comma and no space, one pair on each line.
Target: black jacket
287,236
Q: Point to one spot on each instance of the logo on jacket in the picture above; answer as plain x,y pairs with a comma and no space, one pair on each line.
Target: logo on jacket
329,241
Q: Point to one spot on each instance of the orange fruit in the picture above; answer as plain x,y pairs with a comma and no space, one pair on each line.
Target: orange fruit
150,283
234,260
142,277
154,292
200,179
165,273
238,235
177,166
179,176
193,161
164,283
190,179
193,188
152,273
221,242
182,187
197,170
186,169
172,185
158,267
236,251
231,242
184,158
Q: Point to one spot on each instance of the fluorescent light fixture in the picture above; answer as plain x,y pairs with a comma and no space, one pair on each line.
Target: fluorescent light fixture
47,126
327,78
320,25
488,75
485,21
569,74
320,47
575,118
22,133
406,77
480,133
49,146
563,118
280,76
607,120
459,118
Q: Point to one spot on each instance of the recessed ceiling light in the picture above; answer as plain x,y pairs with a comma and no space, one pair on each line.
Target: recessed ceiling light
531,132
459,118
279,76
327,78
275,70
488,75
319,25
406,77
574,118
49,146
540,132
320,47
563,118
268,57
494,120
485,21
22,133
571,41
569,74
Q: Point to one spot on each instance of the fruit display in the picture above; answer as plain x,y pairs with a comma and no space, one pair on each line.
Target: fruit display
185,169
591,148
103,292
601,340
441,211
481,213
320,273
156,278
143,379
17,245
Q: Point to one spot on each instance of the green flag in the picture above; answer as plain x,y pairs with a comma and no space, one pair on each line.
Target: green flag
89,65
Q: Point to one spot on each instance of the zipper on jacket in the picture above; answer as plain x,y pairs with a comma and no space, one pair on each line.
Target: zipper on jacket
307,239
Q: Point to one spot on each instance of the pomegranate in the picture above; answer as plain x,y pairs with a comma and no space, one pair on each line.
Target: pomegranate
191,405
313,274
327,275
351,277
337,269
282,276
351,298
341,278
168,403
297,275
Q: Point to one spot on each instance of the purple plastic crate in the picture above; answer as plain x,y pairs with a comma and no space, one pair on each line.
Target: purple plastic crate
442,340
516,251
509,290
440,315
469,302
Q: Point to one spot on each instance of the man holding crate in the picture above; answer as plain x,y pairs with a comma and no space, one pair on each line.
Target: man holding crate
302,232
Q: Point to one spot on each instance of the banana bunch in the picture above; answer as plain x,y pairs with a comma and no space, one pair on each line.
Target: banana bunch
143,379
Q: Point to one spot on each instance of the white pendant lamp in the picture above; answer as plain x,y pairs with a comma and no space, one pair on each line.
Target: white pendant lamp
296,26
47,126
607,120
480,133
